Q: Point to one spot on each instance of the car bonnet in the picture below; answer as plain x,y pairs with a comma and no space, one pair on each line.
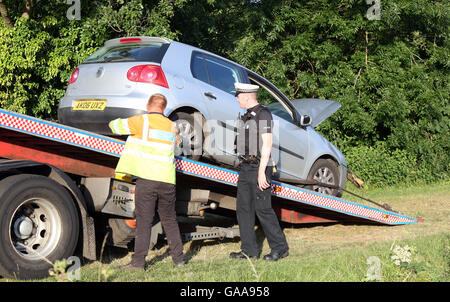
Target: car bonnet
318,109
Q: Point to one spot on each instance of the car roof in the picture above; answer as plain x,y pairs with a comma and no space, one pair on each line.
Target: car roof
193,48
208,53
168,41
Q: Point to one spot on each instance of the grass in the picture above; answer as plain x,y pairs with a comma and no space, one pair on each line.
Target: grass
335,252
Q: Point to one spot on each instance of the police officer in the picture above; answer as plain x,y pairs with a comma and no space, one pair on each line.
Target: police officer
149,155
254,144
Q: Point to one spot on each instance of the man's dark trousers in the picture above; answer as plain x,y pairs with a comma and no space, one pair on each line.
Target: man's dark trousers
250,201
149,193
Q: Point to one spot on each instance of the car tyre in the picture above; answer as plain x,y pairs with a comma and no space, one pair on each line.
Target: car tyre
192,138
324,171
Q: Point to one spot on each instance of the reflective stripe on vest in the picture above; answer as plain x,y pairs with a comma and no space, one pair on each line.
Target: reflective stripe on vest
152,144
120,126
149,152
161,135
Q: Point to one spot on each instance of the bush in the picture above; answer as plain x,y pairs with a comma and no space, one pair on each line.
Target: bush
378,165
390,76
39,54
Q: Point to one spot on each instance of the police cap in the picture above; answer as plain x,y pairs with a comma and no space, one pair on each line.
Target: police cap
245,88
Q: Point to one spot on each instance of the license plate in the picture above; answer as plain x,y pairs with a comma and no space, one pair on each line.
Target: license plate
94,104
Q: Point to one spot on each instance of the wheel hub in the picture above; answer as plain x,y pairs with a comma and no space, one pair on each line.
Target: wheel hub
35,228
187,132
191,139
23,227
324,175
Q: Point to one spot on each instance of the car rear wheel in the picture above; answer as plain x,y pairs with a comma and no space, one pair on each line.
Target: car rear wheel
191,133
324,171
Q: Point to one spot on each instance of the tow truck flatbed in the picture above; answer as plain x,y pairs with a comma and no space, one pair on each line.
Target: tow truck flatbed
92,155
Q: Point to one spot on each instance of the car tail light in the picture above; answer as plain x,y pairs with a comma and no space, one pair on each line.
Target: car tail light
152,74
74,76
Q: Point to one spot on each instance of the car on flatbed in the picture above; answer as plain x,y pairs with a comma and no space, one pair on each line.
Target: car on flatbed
117,80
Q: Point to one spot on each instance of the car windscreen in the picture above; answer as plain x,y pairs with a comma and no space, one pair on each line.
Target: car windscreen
153,52
278,109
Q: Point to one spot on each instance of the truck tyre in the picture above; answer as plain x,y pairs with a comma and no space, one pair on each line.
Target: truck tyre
324,171
156,232
39,224
122,233
192,141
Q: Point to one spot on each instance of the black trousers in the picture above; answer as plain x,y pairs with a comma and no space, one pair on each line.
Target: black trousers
250,201
150,193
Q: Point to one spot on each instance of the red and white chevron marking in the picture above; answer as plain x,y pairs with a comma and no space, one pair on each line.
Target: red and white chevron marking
297,194
230,177
336,204
46,129
55,132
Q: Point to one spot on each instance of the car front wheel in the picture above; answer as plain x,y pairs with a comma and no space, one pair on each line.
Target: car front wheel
325,171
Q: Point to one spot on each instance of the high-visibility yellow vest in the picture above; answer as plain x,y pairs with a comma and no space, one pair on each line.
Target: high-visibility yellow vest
149,150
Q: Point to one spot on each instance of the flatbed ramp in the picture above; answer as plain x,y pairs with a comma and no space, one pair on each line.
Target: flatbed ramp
50,142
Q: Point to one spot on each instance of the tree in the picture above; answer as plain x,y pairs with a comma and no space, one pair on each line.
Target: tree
4,13
43,47
390,75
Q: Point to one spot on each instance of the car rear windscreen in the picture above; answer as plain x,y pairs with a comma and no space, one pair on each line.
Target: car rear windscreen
153,52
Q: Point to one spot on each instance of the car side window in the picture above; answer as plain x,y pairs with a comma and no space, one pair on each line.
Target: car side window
215,72
198,67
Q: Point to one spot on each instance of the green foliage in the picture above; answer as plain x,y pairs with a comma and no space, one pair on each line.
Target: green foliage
381,166
391,76
39,54
58,271
411,263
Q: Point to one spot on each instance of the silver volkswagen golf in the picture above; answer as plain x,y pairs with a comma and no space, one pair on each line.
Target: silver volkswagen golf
117,80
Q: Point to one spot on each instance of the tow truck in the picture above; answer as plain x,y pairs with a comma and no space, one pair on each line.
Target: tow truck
58,191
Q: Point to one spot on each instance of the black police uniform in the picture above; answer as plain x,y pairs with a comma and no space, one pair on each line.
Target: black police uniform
250,199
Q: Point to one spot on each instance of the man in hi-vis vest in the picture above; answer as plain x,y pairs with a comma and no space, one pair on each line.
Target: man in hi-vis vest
149,155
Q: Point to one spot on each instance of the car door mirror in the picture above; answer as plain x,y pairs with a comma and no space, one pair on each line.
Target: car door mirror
305,120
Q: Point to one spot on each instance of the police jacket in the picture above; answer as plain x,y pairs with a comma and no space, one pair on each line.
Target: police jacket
250,127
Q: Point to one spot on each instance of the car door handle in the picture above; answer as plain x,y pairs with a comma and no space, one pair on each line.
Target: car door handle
210,95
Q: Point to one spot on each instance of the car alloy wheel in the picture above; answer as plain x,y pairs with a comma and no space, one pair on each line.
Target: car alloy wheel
192,139
324,171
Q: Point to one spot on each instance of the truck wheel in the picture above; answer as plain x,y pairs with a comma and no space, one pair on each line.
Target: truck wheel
324,171
192,141
156,232
39,224
122,232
